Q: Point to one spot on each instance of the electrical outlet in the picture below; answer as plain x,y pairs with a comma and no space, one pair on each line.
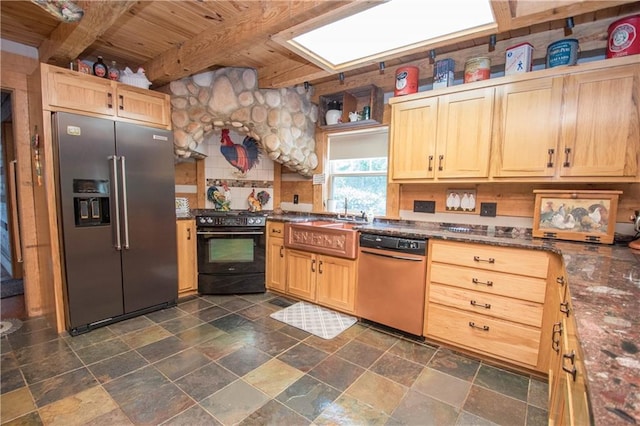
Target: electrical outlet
295,198
424,206
488,209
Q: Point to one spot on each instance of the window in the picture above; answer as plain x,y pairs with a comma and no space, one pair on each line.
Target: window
358,172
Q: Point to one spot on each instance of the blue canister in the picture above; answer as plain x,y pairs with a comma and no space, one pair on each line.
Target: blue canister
562,52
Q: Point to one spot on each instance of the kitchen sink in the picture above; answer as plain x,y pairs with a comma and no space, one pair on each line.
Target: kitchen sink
323,236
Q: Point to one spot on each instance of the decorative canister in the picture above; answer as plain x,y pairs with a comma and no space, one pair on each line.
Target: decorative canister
518,59
406,81
443,73
476,69
562,52
334,112
623,37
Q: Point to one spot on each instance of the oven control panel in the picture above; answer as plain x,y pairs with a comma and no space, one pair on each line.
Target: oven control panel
205,221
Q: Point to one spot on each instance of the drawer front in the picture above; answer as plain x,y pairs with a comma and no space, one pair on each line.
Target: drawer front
500,307
275,229
499,283
502,259
504,340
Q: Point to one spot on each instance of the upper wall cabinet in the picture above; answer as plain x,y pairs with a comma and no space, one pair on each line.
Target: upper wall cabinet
73,91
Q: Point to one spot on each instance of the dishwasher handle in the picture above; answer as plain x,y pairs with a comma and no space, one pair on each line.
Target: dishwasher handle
392,256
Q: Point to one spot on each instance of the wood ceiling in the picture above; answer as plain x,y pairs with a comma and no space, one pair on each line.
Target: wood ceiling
174,39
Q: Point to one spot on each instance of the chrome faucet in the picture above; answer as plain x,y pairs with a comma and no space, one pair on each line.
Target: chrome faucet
345,206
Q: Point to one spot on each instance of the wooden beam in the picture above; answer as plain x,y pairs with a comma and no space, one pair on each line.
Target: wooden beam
68,41
211,48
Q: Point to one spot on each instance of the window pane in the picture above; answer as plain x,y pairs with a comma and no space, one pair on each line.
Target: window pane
363,193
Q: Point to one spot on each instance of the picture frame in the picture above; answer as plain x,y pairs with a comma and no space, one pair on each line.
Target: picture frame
587,216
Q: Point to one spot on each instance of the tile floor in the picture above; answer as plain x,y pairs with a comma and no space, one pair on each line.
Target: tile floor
222,360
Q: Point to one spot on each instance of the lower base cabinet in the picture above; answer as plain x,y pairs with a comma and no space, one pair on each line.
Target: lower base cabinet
187,256
276,273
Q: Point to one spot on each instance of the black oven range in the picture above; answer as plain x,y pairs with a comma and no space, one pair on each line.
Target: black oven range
231,251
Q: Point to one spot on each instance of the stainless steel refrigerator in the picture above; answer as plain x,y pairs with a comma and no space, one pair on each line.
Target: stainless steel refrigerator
116,199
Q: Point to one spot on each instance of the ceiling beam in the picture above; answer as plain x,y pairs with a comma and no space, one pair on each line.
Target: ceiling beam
211,48
68,41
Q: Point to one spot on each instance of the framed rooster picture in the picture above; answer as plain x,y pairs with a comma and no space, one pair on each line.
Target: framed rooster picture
588,216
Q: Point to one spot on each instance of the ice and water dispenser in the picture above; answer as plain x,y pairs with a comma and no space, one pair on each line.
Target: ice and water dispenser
91,202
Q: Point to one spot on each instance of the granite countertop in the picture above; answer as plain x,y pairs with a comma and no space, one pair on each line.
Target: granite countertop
604,281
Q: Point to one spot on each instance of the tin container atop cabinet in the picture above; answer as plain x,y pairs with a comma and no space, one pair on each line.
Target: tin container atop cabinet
477,69
406,81
623,37
562,52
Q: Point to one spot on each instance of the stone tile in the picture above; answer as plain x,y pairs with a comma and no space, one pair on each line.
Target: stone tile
269,323
236,304
354,331
495,407
256,311
244,360
273,343
205,381
62,386
454,364
34,324
165,314
538,393
114,417
258,297
8,362
327,345
119,365
235,402
162,348
22,338
41,351
468,419
294,332
349,411
397,369
146,396
537,416
194,305
281,302
308,397
193,416
180,324
132,324
378,339
78,409
360,353
196,335
377,391
146,336
182,363
413,351
103,350
229,322
443,387
30,419
211,313
11,380
16,404
273,377
217,299
416,408
53,365
91,338
220,346
274,413
337,372
496,379
303,357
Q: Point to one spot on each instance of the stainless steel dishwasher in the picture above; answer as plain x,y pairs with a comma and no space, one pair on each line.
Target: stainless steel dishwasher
392,281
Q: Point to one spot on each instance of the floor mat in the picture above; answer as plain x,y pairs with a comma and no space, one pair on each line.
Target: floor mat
11,287
9,325
315,319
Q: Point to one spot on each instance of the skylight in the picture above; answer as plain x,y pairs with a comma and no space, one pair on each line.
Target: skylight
389,28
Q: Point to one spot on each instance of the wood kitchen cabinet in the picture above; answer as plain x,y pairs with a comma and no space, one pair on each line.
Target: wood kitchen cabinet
439,137
86,94
327,280
276,273
187,256
489,300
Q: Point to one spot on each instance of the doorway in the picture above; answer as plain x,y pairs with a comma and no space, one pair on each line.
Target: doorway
11,280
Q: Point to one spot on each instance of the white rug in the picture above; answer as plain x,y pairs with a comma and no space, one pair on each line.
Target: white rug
315,319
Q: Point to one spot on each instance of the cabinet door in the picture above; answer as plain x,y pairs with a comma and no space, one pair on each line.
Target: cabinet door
601,123
464,134
413,139
336,283
143,105
187,258
276,265
527,123
301,274
76,91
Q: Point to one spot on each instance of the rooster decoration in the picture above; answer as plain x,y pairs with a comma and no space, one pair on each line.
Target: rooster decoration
243,157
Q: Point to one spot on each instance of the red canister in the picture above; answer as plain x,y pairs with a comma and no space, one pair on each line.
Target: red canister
623,37
406,81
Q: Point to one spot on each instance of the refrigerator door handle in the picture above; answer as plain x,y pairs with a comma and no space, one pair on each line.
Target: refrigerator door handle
116,202
125,213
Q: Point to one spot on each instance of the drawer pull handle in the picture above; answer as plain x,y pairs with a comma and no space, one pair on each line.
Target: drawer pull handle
557,330
567,152
487,283
560,280
564,308
276,231
571,357
483,328
440,158
281,248
485,305
313,265
109,100
320,267
550,152
478,259
430,163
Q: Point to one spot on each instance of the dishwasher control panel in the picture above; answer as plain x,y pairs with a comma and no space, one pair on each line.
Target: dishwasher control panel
399,244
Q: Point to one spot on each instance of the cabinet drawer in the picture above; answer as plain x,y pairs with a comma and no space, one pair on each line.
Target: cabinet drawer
505,340
499,307
508,285
503,259
275,229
